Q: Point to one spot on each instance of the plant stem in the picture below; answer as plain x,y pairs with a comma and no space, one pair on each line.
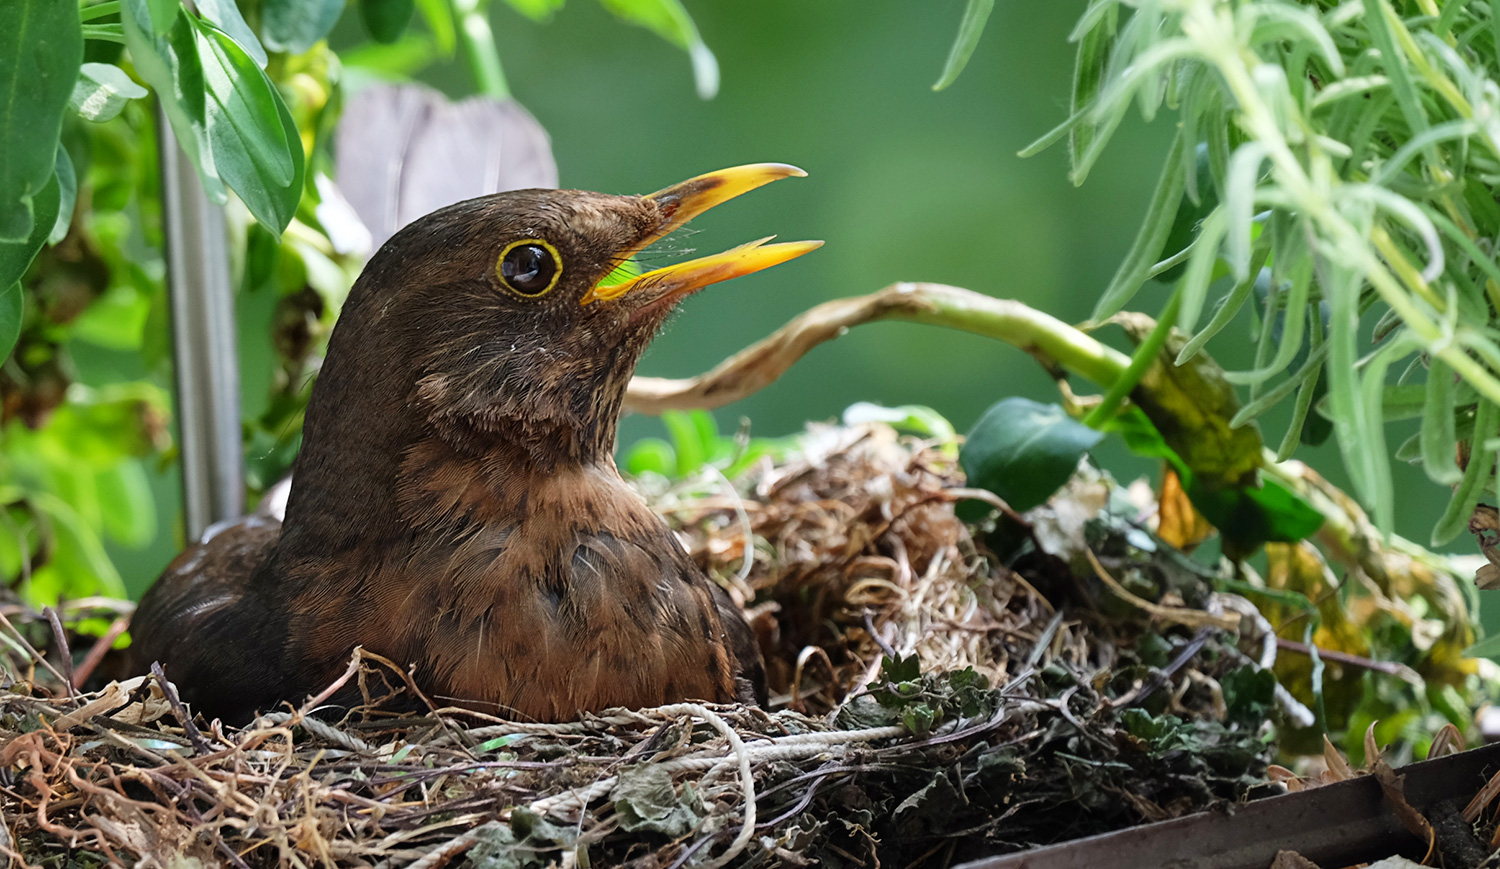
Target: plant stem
1145,355
477,42
1054,343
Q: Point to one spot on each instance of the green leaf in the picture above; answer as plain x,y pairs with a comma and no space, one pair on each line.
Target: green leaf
1477,475
125,504
969,31
225,15
41,49
1248,517
385,20
650,456
1489,647
1438,435
161,15
102,91
669,20
1024,451
536,10
646,800
255,144
67,192
16,256
1095,45
294,26
170,64
11,309
687,441
1157,225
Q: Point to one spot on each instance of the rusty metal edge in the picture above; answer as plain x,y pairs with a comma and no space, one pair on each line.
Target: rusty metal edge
1334,825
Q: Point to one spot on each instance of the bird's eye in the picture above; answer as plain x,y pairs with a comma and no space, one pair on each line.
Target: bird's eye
529,268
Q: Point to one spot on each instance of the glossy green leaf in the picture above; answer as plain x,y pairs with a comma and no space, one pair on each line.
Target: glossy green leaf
161,16
294,26
102,91
1248,517
16,256
976,13
669,20
225,15
169,63
11,309
41,49
385,20
67,196
1024,451
255,144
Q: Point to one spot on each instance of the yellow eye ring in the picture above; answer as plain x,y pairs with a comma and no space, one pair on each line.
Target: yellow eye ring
530,268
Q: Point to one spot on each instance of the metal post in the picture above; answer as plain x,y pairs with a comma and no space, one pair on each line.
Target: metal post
203,342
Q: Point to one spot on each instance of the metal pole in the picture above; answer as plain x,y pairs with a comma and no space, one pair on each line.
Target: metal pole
203,341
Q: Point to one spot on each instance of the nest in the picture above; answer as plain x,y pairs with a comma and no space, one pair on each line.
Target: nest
930,703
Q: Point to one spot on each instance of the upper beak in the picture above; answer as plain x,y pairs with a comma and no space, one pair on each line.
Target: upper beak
681,203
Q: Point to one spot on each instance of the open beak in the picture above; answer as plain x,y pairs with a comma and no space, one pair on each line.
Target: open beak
681,203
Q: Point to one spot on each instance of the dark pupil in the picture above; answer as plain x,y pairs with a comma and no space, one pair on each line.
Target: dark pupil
528,268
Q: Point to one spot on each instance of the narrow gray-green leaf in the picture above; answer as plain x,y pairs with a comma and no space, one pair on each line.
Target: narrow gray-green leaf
1089,66
1239,201
1305,395
102,91
1476,476
1200,270
1146,249
41,48
1439,435
969,31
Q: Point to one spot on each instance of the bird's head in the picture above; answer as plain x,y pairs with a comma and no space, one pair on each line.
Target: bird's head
520,316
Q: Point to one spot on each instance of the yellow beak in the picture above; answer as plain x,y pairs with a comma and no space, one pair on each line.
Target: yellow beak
681,203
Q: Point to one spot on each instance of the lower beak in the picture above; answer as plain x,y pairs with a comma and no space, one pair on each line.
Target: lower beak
681,203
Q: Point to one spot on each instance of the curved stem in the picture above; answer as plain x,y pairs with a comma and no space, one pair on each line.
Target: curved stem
1054,343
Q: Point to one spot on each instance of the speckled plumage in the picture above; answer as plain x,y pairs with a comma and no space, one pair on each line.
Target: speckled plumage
456,506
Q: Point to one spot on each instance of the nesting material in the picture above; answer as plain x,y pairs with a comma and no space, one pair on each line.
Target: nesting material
931,704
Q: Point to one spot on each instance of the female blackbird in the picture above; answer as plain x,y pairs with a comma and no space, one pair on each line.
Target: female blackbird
456,506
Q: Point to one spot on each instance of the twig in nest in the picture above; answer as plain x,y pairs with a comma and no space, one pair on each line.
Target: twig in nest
1390,667
1176,614
31,650
64,653
200,745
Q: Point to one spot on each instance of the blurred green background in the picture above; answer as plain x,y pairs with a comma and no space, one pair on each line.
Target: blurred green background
905,184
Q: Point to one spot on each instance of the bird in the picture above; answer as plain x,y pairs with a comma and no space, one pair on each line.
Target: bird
455,506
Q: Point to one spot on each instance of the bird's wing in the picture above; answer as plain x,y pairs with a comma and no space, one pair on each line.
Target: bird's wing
196,622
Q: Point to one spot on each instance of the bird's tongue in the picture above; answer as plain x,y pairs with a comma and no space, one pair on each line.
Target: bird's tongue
681,203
